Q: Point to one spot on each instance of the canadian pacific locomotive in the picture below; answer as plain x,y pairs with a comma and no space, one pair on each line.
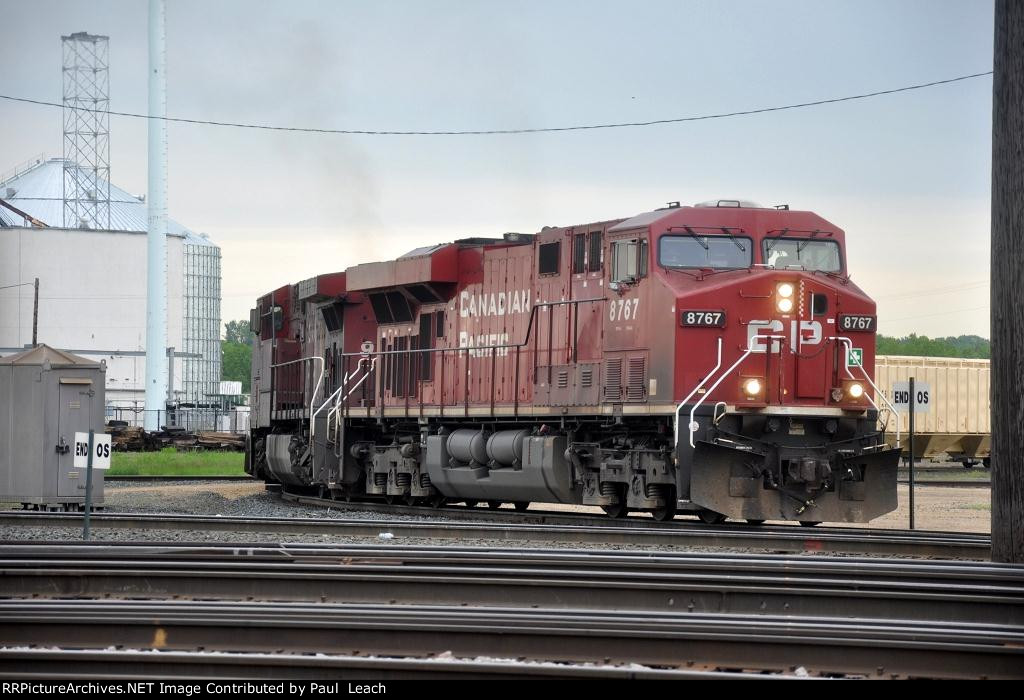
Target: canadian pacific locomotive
707,359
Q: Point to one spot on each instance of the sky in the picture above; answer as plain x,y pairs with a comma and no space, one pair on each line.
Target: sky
907,176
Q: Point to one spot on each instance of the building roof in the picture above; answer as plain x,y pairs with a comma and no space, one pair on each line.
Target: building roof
42,354
39,192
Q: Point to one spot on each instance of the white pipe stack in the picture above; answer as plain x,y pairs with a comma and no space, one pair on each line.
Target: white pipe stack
156,258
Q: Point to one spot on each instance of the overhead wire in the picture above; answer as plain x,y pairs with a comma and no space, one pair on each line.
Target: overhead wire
931,292
495,132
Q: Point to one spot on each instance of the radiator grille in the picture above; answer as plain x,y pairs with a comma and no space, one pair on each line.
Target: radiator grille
587,377
563,378
636,379
613,379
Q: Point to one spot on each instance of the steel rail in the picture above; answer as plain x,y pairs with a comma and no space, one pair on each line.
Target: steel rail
568,529
947,484
749,584
161,478
823,645
555,517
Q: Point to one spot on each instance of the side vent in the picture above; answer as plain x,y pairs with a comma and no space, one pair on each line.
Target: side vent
563,378
587,377
613,379
636,379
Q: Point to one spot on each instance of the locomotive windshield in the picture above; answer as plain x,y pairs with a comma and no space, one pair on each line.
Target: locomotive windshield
716,252
806,253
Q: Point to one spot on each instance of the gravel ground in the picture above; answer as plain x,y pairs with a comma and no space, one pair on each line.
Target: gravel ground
940,509
234,499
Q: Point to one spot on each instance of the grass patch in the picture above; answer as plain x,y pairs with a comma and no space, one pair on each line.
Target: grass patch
170,462
979,506
923,475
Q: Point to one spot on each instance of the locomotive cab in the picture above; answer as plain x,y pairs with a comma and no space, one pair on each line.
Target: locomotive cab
777,416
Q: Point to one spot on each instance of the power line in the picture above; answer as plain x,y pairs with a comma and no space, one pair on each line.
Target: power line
936,290
494,132
940,313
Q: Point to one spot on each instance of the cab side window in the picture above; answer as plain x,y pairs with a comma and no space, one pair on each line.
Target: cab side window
548,255
629,260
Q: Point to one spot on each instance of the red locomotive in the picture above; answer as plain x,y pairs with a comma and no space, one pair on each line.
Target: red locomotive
708,359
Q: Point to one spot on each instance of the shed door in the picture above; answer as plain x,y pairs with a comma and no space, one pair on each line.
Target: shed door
73,416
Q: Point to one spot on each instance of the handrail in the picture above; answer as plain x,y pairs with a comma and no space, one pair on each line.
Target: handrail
693,425
319,380
675,425
849,344
336,408
482,349
327,401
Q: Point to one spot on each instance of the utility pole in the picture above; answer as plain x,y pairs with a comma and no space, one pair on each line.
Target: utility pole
35,315
1007,278
156,210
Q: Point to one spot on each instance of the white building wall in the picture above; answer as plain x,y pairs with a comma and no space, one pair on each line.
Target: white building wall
202,323
92,288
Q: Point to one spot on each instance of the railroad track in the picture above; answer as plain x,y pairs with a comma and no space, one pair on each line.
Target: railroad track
421,605
948,484
555,528
158,479
678,612
554,578
823,646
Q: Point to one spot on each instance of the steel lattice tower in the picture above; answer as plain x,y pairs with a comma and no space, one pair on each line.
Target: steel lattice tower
86,131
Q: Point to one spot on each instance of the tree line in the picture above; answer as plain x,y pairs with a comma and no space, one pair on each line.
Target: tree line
969,346
236,354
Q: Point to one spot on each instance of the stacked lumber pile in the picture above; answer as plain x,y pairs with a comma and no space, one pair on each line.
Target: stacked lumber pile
211,440
126,438
178,438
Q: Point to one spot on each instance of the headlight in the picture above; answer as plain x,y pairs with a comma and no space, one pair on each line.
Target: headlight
784,305
855,390
785,290
752,387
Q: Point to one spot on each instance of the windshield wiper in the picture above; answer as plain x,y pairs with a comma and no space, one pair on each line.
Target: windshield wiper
830,273
703,240
775,240
739,245
803,244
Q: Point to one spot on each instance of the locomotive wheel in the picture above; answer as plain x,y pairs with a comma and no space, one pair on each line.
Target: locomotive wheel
411,500
435,501
470,504
494,505
755,521
616,510
620,509
390,500
711,517
521,505
667,511
810,523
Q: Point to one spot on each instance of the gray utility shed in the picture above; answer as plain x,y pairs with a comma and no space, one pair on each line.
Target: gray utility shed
46,396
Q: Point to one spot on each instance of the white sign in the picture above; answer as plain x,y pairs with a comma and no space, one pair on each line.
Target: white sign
922,397
230,388
100,450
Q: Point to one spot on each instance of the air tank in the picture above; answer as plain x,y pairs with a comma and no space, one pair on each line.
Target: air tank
506,447
468,445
